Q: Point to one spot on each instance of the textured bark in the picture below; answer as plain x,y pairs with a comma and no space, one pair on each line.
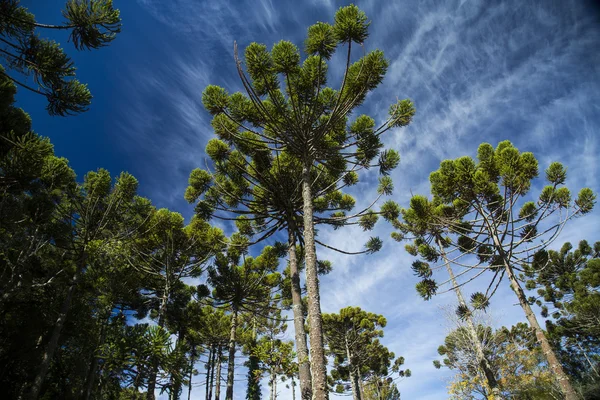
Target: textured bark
483,361
555,365
317,350
231,362
299,332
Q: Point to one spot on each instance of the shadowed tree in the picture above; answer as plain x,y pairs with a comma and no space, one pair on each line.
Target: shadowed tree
492,226
91,24
168,252
288,111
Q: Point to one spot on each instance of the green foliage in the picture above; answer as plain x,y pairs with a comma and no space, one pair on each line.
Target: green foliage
92,24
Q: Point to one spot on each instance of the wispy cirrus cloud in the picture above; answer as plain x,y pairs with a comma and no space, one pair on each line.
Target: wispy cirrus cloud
477,72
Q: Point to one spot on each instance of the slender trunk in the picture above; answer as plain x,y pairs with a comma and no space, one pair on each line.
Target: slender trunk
210,373
231,361
218,386
293,389
555,366
472,329
275,387
210,352
299,332
272,385
353,374
192,355
317,350
36,387
91,378
154,370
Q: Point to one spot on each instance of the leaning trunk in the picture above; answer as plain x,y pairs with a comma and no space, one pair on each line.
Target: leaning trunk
231,361
299,332
475,340
317,350
56,332
557,369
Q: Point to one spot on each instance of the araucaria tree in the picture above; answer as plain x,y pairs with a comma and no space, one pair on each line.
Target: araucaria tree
289,112
91,24
491,224
244,288
352,339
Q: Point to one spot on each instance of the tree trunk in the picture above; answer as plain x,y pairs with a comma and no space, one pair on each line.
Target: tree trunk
555,366
356,395
193,353
472,329
154,370
36,387
293,389
210,373
231,361
218,386
175,380
91,378
297,308
317,350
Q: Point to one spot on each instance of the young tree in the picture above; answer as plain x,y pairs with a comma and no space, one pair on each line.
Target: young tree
91,24
482,208
245,287
168,252
352,339
289,108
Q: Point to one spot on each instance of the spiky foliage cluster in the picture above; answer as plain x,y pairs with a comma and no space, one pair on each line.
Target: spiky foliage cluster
568,283
352,339
289,118
482,218
92,24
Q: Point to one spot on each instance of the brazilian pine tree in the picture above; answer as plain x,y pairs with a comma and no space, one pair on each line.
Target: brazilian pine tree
244,288
352,339
427,231
167,252
491,224
91,24
289,108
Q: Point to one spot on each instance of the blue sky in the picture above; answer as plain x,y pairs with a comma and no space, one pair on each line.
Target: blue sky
477,71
